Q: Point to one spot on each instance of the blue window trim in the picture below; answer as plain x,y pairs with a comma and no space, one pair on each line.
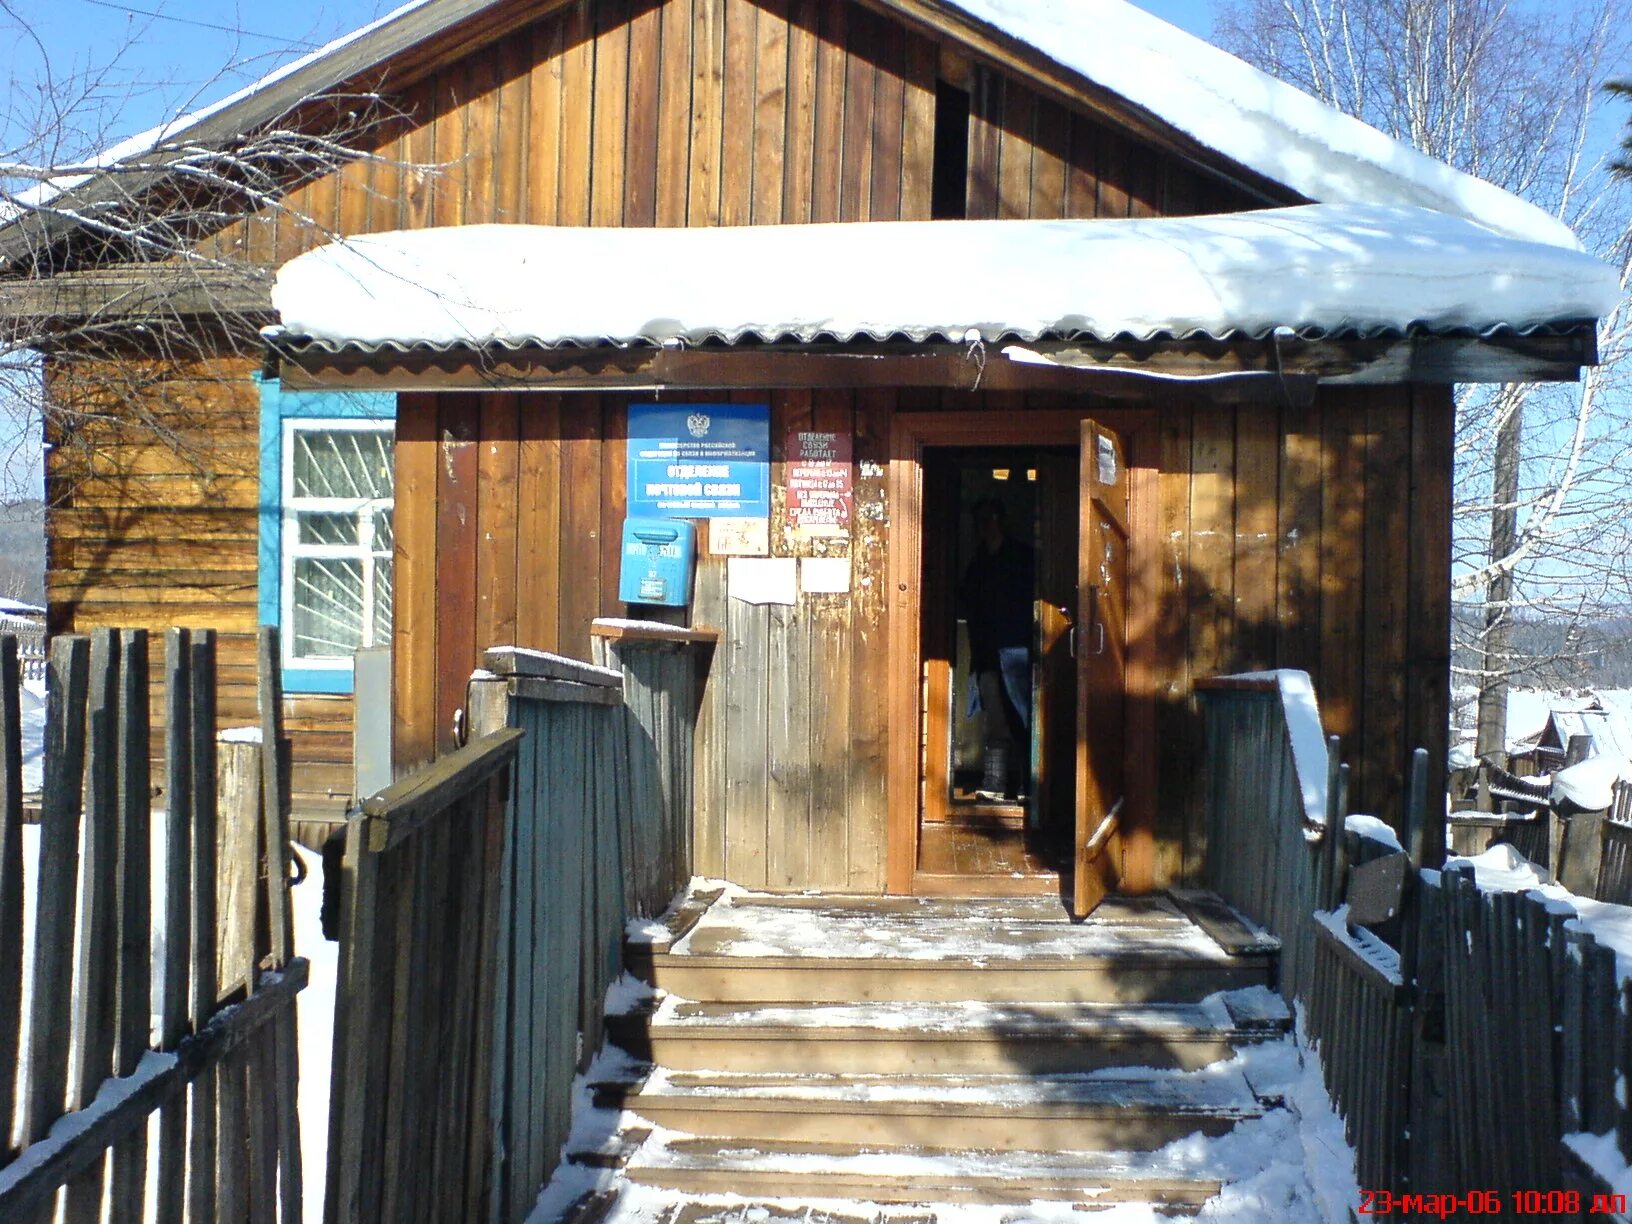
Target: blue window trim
278,406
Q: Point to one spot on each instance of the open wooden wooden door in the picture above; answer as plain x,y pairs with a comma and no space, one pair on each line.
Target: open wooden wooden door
1053,714
1053,793
1102,601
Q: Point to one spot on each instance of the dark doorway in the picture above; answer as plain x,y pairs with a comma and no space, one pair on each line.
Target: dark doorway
998,602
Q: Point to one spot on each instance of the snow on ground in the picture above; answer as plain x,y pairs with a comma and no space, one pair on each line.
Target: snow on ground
1602,1154
315,1033
738,927
33,711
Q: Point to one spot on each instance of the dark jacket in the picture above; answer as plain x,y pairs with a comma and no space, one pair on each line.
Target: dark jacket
995,597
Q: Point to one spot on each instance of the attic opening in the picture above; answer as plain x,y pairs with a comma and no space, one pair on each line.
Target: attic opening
949,180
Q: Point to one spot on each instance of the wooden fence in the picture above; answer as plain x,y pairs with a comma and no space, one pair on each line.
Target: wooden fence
412,1056
498,926
1465,1033
1593,849
30,635
221,1076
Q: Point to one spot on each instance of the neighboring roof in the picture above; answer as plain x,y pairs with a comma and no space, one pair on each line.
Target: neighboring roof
1610,731
16,607
1246,116
1319,270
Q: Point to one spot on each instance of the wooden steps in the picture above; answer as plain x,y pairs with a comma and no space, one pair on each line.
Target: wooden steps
926,1050
1003,1113
909,1175
935,1038
1021,949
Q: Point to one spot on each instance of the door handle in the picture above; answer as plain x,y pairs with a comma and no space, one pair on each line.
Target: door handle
1096,619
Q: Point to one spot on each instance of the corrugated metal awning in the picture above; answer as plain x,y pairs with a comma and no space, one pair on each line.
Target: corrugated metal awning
1313,272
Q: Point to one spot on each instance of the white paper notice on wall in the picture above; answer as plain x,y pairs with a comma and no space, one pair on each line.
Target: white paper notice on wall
763,580
739,537
824,575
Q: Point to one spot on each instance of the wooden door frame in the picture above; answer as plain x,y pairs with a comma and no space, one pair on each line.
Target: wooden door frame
911,433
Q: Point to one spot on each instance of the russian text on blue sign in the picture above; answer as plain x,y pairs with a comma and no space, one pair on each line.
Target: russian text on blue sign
699,460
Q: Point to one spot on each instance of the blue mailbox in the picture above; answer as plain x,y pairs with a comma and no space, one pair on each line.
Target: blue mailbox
658,555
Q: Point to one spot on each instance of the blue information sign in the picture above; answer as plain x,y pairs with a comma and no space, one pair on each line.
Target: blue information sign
700,460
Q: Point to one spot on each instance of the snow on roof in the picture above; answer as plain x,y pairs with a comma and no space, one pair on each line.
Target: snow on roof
16,607
1610,731
1362,269
1264,124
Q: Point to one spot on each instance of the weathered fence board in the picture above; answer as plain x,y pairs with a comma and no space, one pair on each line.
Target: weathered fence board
1464,1031
487,900
416,993
11,887
89,1055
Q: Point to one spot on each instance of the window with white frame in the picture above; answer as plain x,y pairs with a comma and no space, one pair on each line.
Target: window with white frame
337,539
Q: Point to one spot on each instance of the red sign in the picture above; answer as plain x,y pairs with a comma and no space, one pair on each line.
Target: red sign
821,484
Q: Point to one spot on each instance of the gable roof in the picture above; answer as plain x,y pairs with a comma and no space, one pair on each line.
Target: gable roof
1181,83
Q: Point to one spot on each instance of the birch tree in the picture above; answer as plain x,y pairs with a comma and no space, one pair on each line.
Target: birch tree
1513,94
112,299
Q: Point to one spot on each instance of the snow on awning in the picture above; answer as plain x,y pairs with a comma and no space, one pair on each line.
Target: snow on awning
1317,269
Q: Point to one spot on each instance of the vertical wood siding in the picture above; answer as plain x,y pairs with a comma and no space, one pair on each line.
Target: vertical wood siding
719,112
709,112
1283,538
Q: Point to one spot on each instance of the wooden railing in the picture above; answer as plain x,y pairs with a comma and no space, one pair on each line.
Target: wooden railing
418,984
1470,1037
599,832
222,1076
663,671
1269,803
487,902
30,637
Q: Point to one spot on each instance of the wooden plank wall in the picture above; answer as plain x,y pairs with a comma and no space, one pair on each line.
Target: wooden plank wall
152,479
619,112
718,112
1310,538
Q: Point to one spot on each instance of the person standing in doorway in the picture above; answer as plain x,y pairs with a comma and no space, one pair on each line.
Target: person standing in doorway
995,599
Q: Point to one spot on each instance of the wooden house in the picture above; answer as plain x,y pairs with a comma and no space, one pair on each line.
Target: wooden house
1195,331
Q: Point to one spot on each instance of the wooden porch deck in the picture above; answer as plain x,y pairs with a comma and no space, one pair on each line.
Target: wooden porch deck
896,1051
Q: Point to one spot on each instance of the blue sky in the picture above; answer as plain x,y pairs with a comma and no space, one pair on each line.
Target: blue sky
173,55
143,61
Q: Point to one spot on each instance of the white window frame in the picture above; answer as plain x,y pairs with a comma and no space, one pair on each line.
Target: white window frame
292,549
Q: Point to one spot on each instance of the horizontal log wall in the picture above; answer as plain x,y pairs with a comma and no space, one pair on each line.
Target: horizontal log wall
153,485
1286,538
